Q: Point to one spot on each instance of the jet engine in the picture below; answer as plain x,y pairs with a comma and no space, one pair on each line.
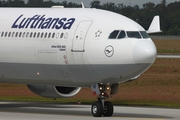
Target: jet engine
50,91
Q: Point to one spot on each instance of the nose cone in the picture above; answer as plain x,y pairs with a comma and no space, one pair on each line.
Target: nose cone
144,52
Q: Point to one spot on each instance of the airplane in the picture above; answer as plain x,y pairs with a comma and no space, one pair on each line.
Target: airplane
57,51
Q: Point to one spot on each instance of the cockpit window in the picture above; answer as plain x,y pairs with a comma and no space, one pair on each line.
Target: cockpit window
144,34
114,34
122,34
133,34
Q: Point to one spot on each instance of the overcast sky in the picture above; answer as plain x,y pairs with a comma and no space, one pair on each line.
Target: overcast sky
126,2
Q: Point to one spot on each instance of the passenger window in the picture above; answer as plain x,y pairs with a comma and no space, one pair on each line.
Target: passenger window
57,35
114,34
53,35
2,34
133,34
20,34
23,34
38,34
45,35
122,34
62,34
27,34
9,35
16,34
34,35
49,35
42,35
13,34
31,34
66,35
6,34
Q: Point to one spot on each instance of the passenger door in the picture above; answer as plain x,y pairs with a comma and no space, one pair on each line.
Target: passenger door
80,36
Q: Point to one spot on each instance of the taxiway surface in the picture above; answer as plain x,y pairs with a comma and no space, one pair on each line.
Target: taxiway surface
55,111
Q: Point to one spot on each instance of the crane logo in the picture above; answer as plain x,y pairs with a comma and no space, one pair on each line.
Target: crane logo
109,51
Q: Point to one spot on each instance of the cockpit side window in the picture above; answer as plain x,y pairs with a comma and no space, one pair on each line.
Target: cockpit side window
114,34
122,34
144,34
133,34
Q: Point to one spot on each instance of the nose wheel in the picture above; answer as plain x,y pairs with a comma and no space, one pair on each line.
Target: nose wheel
98,110
108,109
102,107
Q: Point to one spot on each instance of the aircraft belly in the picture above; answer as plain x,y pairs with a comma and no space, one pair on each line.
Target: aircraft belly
112,73
33,74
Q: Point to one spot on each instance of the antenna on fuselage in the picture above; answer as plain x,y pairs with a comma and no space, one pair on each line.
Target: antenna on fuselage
82,5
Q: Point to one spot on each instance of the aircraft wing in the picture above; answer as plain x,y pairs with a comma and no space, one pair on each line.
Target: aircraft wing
168,56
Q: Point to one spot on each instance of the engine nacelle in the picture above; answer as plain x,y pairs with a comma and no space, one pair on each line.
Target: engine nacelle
50,91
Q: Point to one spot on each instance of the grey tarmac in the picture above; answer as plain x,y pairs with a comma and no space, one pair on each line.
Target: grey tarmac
58,111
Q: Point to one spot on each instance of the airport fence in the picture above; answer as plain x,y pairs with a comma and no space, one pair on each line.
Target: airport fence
165,37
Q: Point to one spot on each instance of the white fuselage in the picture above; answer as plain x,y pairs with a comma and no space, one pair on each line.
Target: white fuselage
70,47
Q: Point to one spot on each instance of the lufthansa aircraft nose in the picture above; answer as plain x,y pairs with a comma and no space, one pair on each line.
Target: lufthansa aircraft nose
144,52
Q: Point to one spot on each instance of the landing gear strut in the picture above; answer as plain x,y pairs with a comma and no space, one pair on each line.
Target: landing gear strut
102,107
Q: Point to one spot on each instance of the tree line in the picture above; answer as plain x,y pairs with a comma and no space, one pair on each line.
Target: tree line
169,13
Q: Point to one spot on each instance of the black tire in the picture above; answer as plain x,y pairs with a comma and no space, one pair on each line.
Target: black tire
97,109
108,109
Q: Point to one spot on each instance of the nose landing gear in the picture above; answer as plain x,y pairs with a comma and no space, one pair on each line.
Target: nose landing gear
102,107
98,110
